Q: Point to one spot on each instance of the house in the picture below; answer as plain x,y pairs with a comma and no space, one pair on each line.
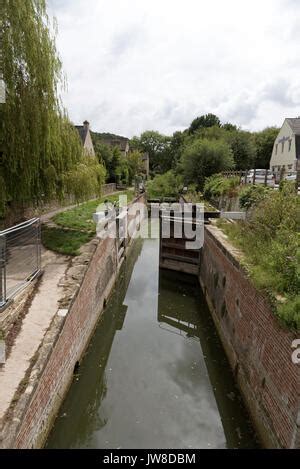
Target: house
116,141
86,138
286,151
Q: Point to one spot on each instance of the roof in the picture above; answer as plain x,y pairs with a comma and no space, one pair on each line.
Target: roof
117,142
294,123
82,130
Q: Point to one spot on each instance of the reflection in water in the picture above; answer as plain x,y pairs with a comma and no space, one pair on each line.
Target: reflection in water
155,374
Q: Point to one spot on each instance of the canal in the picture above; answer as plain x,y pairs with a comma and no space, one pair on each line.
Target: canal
155,374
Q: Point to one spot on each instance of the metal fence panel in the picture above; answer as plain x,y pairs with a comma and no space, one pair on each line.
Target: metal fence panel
20,258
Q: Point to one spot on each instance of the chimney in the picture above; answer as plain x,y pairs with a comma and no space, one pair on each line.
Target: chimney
86,125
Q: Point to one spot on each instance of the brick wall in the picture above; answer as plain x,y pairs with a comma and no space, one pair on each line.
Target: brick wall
66,346
258,347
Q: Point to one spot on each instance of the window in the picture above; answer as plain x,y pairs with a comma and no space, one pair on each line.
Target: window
290,145
273,169
290,166
276,149
282,147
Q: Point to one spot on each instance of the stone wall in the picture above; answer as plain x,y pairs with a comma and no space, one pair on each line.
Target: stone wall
17,213
88,284
258,347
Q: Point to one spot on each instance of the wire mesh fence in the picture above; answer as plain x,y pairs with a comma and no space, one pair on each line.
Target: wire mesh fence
20,258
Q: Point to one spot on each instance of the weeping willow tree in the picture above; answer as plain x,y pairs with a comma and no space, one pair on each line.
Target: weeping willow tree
39,146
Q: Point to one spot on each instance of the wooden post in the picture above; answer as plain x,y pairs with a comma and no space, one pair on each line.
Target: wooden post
254,176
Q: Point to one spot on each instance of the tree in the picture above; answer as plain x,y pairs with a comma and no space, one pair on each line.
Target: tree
156,145
243,147
104,154
208,120
117,165
264,146
135,164
202,158
176,148
229,126
39,144
242,143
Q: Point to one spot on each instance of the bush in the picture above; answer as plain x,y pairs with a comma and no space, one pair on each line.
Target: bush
164,185
252,195
218,185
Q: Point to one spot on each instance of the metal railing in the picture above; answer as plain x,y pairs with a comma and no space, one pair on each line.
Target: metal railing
20,258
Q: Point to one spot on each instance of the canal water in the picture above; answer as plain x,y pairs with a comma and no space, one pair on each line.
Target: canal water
155,374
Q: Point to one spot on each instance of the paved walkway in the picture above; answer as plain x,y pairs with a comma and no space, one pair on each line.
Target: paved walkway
41,312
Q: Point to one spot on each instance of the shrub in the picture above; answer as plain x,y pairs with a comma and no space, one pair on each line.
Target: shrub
252,195
218,185
164,185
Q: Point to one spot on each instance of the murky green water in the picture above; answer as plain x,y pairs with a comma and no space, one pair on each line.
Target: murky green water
155,374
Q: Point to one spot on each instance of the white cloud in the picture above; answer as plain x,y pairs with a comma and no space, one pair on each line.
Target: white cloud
156,64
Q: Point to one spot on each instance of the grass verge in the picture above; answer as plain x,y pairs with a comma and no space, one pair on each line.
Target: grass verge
67,242
75,227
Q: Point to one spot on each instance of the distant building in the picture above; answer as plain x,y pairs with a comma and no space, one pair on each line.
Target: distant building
86,138
116,141
286,151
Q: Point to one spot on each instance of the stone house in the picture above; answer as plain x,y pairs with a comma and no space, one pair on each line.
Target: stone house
286,151
86,138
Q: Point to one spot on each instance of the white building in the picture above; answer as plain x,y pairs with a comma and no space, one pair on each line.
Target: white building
286,150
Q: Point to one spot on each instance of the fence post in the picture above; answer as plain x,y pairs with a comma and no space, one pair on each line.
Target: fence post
2,271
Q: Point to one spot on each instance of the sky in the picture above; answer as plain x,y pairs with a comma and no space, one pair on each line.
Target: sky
136,65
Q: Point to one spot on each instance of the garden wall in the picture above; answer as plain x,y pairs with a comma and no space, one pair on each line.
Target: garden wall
258,347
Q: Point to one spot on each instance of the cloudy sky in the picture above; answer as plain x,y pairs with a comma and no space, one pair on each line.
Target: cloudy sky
134,65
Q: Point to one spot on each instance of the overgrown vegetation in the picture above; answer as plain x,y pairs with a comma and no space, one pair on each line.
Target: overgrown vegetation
76,226
252,194
218,185
164,185
41,156
270,241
